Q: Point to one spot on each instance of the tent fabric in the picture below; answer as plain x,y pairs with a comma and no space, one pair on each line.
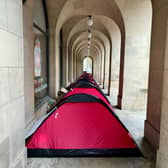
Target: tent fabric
90,91
78,98
83,124
70,128
38,123
85,77
87,84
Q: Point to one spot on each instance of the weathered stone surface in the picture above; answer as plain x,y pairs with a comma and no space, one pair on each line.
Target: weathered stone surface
12,119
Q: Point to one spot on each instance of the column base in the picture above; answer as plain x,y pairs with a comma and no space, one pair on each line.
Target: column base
119,102
151,135
162,160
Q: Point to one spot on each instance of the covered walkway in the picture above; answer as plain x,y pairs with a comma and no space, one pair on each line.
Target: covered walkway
45,45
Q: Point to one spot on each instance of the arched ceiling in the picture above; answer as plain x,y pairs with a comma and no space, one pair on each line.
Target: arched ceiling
98,51
78,8
96,36
81,26
71,15
81,40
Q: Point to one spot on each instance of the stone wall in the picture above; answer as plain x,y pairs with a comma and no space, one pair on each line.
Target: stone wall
12,119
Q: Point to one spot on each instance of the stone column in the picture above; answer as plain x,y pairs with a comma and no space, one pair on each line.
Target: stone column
162,154
110,69
156,72
137,18
121,72
29,60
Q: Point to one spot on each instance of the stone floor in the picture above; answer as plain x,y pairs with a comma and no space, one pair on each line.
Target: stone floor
134,121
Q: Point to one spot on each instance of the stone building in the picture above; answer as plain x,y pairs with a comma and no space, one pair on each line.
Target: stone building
44,45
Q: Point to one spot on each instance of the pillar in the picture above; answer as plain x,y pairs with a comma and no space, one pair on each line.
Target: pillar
161,12
156,100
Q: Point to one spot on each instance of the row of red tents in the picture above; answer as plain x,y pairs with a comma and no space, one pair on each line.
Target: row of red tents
83,124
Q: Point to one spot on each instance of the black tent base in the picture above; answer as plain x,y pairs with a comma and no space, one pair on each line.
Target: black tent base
129,152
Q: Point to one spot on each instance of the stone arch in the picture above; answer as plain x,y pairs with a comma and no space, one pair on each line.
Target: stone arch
107,43
74,9
90,70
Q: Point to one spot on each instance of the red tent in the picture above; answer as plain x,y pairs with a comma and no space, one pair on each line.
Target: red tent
83,125
85,77
91,91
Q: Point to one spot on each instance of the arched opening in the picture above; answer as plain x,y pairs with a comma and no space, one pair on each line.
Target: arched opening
88,65
128,39
122,44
